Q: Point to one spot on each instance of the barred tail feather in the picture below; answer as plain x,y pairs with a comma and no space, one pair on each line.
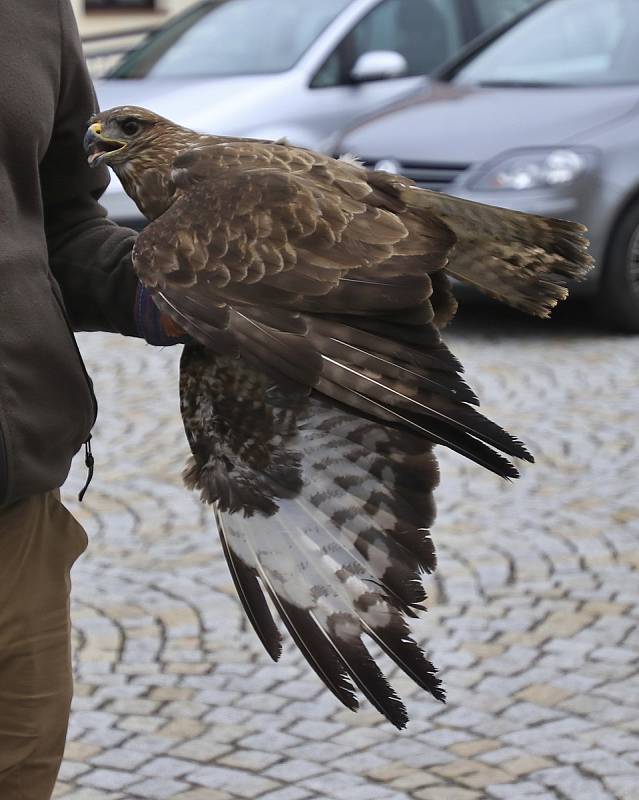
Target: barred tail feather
520,259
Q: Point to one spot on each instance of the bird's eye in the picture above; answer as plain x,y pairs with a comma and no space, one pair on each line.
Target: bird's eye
130,127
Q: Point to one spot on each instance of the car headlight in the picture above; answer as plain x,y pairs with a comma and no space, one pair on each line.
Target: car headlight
533,169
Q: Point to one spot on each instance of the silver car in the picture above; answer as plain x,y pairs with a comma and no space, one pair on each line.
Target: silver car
299,69
541,117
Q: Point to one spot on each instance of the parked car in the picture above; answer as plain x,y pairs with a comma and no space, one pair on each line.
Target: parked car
298,69
542,117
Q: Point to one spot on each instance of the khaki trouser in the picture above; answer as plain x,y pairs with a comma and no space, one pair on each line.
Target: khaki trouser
39,541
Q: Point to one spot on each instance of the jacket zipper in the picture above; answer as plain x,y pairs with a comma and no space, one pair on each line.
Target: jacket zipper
89,463
88,460
4,468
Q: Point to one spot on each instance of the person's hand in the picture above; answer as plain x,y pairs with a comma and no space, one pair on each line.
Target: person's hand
154,326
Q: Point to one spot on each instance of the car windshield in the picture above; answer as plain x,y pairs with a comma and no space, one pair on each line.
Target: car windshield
232,37
565,42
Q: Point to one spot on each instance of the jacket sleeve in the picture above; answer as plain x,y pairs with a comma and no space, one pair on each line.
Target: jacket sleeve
89,256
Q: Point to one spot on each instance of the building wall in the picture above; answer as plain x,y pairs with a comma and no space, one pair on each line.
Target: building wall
107,21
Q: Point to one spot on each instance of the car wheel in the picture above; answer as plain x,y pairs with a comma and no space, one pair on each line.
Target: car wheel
619,292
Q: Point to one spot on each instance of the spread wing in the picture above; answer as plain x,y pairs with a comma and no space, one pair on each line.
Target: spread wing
312,272
271,225
324,512
318,290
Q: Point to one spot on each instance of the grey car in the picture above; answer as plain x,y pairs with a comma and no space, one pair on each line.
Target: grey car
542,117
299,69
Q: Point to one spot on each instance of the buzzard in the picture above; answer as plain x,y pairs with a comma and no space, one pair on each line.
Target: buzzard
316,383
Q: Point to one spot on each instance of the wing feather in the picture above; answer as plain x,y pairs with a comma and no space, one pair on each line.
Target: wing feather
252,599
341,556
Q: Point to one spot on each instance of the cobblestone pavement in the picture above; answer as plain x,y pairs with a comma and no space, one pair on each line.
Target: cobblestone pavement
533,616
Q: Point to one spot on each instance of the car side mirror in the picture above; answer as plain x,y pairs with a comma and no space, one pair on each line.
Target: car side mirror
378,65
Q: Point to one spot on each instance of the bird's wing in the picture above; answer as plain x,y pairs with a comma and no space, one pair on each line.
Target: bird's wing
318,290
271,225
324,512
283,266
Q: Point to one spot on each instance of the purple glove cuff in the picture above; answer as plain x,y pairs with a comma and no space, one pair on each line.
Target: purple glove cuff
151,324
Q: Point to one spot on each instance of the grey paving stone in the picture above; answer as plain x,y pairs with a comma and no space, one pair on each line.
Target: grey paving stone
316,729
333,784
214,777
571,783
515,791
93,794
622,786
120,758
294,770
150,744
105,737
272,742
106,779
290,793
71,770
164,767
253,760
158,789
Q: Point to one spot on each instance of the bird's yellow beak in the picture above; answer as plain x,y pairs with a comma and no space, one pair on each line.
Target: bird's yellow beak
98,146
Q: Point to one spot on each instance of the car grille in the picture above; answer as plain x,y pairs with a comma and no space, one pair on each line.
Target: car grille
429,176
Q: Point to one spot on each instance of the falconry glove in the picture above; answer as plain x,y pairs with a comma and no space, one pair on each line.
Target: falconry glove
152,325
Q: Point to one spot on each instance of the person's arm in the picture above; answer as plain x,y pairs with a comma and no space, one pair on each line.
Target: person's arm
90,257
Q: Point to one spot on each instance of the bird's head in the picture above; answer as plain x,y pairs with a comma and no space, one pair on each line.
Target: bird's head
128,133
140,146
121,133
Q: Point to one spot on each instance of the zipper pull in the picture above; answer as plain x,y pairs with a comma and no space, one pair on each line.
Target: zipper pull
89,463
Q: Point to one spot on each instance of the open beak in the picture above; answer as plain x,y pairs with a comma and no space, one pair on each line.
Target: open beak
97,146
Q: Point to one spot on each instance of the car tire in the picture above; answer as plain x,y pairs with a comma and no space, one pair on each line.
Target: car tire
618,298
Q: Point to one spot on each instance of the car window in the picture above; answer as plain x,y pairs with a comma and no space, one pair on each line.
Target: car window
573,42
232,37
493,12
425,32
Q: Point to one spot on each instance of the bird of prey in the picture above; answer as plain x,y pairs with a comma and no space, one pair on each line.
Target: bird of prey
316,383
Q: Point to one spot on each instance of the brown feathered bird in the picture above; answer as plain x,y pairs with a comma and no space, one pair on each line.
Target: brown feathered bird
317,382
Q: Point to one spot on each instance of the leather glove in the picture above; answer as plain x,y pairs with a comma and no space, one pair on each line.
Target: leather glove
154,326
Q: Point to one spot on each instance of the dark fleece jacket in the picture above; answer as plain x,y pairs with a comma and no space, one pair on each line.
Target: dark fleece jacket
62,264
